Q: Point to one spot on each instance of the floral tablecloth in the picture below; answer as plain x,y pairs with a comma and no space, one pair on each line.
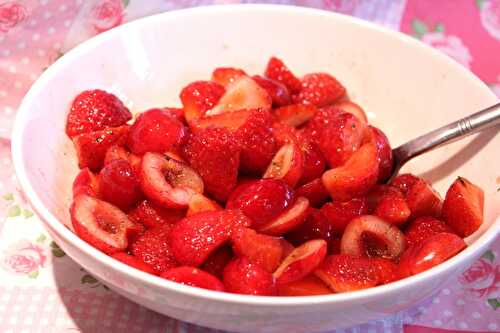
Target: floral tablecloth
42,290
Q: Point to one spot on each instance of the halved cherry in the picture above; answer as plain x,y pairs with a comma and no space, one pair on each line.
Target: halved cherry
339,214
153,215
354,109
288,220
314,191
316,226
295,114
423,200
384,152
301,262
194,277
86,183
200,203
226,75
422,228
286,165
369,236
244,277
168,182
279,93
314,161
118,184
308,286
100,224
200,96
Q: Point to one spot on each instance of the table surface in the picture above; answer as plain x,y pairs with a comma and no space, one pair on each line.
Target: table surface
43,290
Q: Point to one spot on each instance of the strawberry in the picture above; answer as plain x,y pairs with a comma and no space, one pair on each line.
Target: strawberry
423,200
404,182
319,89
354,109
217,261
135,262
232,121
422,228
463,207
393,208
314,161
278,91
339,214
118,184
225,76
288,220
295,114
287,165
178,113
384,153
316,226
243,277
308,286
86,183
200,96
116,153
156,130
152,215
215,155
277,70
194,277
200,203
314,191
286,247
91,147
95,110
284,134
195,238
387,270
378,192
320,123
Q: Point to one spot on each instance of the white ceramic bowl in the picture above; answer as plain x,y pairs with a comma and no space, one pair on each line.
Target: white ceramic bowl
406,87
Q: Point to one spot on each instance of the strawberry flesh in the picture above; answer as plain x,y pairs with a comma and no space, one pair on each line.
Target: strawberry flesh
200,96
339,214
422,228
243,277
194,277
278,71
319,89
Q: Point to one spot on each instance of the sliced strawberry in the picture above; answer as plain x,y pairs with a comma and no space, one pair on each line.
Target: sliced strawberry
301,262
314,191
200,203
284,134
314,161
232,121
195,238
288,220
343,273
463,207
378,192
277,70
135,262
100,224
355,177
369,236
384,152
354,109
156,130
176,112
321,122
423,200
387,270
404,182
116,153
286,165
86,183
215,154
194,277
152,215
319,89
119,185
91,147
263,250
295,114
287,248
316,226
393,208
422,228
167,182
218,260
261,200
243,277
95,110
278,91
339,214
225,76
200,96
308,286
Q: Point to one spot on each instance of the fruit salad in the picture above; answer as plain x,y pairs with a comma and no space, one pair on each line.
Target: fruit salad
259,184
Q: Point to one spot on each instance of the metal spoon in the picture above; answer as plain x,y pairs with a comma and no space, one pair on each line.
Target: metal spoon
459,129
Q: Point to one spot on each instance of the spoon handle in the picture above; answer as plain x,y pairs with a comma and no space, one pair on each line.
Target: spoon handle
474,123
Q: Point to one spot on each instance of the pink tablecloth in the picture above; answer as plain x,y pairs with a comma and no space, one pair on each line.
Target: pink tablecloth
43,290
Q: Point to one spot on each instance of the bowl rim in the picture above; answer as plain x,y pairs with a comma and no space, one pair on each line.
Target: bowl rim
138,276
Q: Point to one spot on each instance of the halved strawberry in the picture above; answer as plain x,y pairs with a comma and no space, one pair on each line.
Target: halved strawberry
263,250
118,184
387,270
284,133
393,208
343,273
286,165
423,200
194,277
316,226
404,182
95,110
463,207
100,224
200,96
422,228
91,147
320,122
168,182
319,89
308,286
218,260
355,177
369,236
200,203
378,192
339,214
384,152
215,154
279,93
243,277
156,130
314,161
301,262
288,220
194,238
116,153
133,261
86,183
354,109
277,70
295,114
152,215
225,76
176,112
314,191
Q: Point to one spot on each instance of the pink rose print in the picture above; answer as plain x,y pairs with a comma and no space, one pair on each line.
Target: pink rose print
107,14
481,279
450,45
490,17
24,258
11,13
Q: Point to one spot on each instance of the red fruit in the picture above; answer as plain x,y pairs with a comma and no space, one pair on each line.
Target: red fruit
314,191
295,114
287,248
423,200
156,130
278,92
95,110
200,96
387,270
308,286
316,226
393,208
314,162
339,214
154,248
243,93
431,252
232,121
167,182
152,215
355,177
354,109
215,154
135,262
100,224
301,262
321,122
384,153
243,277
319,89
379,192
343,273
404,182
194,277
284,134
225,76
263,250
118,184
288,220
116,153
261,200
277,70
463,207
86,183
91,147
286,165
369,236
216,263
176,112
195,238
200,203
422,228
